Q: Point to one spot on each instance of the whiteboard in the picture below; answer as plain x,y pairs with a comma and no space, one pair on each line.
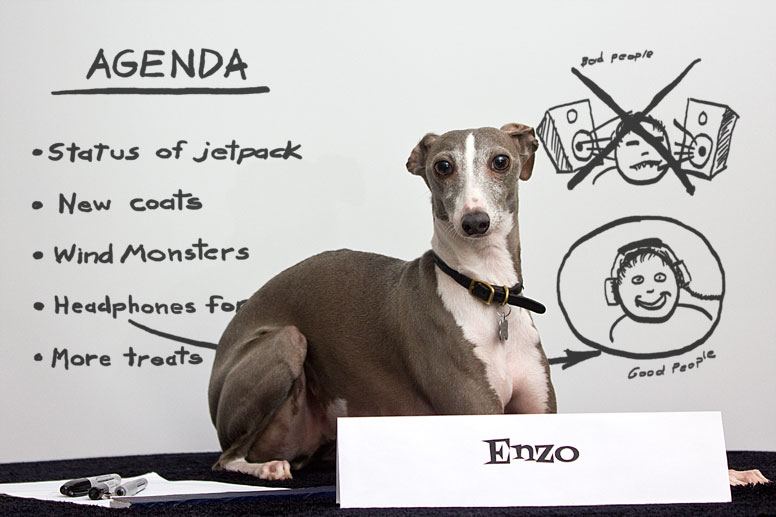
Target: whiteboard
304,150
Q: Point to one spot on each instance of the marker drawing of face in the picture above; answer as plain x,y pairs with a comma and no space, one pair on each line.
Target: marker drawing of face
637,161
648,288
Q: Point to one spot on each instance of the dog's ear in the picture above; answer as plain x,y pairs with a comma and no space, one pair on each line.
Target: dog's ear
416,163
525,140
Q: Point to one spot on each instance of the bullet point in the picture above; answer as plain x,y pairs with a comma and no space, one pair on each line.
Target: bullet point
37,205
37,152
38,357
37,255
38,306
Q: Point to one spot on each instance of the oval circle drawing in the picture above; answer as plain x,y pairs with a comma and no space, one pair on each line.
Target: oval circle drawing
642,287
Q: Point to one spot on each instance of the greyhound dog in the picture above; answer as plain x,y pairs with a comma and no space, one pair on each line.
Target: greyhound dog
346,333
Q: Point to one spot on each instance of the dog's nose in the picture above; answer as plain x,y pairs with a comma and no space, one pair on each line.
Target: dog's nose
475,223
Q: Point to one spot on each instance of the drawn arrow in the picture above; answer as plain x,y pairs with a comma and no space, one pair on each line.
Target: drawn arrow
173,337
573,357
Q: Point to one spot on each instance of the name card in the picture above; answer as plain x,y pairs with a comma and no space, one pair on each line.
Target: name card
531,460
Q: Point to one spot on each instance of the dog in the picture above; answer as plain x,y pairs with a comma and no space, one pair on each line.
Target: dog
348,333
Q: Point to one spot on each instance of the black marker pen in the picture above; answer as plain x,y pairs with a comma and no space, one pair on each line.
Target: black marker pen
81,486
99,491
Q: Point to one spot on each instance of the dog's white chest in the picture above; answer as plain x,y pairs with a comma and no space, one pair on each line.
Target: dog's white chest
514,366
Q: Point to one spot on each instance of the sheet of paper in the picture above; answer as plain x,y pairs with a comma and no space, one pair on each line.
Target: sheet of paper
532,460
157,486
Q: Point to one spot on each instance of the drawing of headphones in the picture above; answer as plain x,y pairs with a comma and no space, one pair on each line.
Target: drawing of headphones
611,285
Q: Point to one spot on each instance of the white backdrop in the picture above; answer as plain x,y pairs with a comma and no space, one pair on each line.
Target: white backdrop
356,85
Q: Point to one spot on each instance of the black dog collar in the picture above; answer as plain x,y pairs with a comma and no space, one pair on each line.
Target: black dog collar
482,290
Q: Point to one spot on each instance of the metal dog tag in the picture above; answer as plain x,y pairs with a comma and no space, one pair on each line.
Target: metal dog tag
503,326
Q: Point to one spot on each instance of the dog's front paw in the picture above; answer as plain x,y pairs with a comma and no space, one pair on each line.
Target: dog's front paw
277,469
746,477
274,470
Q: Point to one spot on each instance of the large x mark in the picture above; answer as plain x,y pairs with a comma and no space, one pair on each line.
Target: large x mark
633,123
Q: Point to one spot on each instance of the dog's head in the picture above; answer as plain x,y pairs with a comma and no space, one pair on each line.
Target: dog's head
473,175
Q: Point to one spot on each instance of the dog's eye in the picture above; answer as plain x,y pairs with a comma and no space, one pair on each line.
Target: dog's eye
500,163
443,168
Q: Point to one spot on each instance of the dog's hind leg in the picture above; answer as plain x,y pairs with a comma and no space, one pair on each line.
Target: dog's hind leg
261,406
